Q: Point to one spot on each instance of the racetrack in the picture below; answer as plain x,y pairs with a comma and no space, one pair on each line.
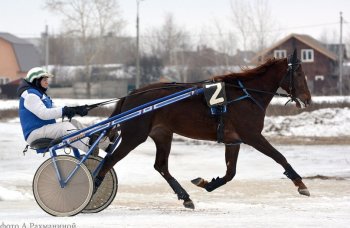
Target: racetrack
267,203
259,196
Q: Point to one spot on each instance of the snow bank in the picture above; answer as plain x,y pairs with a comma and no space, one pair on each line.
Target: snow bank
316,100
321,123
13,194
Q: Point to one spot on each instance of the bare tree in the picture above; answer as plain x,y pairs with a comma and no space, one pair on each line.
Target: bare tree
151,69
253,19
89,21
61,50
263,23
347,44
328,36
242,21
225,43
167,40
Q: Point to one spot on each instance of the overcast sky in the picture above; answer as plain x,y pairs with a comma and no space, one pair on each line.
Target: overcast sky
27,18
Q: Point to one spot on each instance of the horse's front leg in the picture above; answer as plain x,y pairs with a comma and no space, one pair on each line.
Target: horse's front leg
231,155
260,143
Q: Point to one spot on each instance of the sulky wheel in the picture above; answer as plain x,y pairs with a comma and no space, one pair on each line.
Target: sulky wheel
106,192
66,201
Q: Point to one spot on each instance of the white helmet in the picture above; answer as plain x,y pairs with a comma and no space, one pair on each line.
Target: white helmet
37,72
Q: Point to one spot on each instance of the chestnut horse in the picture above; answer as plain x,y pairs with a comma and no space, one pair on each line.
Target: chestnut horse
244,120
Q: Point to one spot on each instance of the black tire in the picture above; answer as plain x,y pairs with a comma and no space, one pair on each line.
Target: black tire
106,192
67,201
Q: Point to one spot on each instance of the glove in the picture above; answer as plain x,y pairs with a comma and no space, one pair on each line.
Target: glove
69,112
81,110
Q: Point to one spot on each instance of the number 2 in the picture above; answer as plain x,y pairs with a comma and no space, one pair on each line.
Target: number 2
214,98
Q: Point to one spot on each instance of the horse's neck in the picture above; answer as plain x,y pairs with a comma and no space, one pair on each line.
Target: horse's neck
269,82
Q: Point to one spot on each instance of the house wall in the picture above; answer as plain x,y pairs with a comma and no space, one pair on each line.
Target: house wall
8,63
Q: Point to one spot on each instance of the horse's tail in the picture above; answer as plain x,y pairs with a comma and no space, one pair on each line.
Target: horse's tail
118,109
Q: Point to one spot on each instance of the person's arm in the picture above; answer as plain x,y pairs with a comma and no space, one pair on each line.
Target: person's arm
34,104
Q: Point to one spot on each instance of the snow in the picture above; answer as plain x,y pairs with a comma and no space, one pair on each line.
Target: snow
321,123
259,195
316,100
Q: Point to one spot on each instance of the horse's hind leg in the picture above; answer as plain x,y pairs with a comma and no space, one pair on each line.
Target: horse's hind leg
261,144
162,139
231,155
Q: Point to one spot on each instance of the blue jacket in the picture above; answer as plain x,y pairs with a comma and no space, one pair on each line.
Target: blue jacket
35,108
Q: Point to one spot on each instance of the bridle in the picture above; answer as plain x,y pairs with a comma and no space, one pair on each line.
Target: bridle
293,65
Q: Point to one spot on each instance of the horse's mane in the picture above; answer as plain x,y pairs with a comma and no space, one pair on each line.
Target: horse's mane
246,72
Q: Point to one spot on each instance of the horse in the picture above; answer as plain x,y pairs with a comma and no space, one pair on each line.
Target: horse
243,120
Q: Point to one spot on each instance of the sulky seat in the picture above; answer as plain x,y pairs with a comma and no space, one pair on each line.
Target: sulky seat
42,143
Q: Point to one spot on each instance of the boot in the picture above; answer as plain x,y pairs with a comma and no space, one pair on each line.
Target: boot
97,182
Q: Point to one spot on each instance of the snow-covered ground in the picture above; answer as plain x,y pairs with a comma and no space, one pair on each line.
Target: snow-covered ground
259,195
316,100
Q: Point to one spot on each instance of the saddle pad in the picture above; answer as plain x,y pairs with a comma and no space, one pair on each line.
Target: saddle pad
215,94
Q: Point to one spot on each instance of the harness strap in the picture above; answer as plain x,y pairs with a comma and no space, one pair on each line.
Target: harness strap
261,91
238,142
221,127
247,95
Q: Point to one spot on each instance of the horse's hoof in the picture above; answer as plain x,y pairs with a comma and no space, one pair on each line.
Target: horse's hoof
189,204
200,182
304,191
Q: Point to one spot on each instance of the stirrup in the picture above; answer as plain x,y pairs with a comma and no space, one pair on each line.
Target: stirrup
25,150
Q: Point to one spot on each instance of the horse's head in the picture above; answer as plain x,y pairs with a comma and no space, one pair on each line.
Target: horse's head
294,82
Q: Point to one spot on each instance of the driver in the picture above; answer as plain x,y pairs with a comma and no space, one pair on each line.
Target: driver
38,114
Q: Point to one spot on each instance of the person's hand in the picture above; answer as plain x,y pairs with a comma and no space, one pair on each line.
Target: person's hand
69,112
81,110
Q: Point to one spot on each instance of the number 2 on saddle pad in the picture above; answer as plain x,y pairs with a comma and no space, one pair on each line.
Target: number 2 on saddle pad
215,94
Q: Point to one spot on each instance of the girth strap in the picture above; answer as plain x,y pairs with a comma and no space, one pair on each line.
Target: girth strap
215,97
221,125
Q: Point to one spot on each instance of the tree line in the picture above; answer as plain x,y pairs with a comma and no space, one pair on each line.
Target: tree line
92,35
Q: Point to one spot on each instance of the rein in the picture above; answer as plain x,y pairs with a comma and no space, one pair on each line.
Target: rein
95,105
92,106
262,91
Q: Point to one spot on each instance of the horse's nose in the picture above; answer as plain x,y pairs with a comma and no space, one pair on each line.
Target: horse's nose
306,99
